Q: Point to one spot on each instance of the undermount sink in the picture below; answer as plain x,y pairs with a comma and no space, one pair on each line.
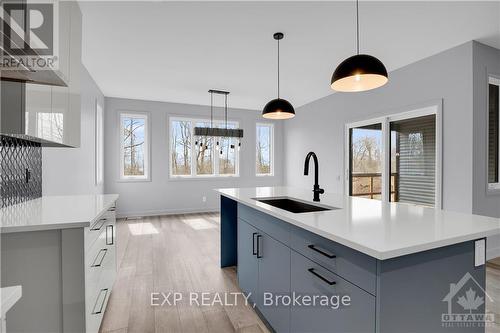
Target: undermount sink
294,205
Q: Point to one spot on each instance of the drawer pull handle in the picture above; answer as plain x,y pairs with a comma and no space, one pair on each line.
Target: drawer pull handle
97,225
253,244
112,235
258,246
112,209
103,300
331,283
103,251
326,254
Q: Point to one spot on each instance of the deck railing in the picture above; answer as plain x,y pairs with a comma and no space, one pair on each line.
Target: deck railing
369,185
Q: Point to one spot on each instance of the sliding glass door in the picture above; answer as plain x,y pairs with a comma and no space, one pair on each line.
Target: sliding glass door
413,160
365,176
396,158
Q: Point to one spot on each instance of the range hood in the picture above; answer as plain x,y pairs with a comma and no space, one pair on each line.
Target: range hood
23,64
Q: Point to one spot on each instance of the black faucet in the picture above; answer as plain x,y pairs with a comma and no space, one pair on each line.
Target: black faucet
316,189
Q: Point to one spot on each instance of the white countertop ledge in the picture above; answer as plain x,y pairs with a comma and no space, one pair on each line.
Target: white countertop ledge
379,229
55,212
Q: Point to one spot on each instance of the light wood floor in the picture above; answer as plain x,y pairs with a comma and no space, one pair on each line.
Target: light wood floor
181,253
173,253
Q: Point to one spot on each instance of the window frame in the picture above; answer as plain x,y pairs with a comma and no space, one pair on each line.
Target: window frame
425,109
147,147
215,154
271,149
99,143
491,188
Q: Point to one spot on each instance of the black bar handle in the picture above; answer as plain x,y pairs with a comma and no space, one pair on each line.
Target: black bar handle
112,235
94,264
105,291
258,246
253,244
95,228
314,248
331,283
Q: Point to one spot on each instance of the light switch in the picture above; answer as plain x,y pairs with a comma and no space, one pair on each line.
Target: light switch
480,252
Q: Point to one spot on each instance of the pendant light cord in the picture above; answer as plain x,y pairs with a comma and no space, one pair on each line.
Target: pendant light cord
225,109
211,108
357,26
278,68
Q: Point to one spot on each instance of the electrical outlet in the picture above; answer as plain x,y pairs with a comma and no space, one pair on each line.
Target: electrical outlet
204,199
27,175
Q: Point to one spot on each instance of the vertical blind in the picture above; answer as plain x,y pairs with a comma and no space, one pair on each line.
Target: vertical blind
415,150
493,133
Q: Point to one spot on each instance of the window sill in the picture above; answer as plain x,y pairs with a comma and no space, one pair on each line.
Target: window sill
264,175
493,189
134,180
195,178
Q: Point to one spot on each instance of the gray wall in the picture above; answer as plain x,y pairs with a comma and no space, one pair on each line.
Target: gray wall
485,60
163,195
72,170
319,126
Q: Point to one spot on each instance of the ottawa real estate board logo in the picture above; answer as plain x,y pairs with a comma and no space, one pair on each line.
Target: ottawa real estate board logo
467,305
29,35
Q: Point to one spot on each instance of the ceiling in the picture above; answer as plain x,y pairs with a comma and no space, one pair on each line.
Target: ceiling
176,51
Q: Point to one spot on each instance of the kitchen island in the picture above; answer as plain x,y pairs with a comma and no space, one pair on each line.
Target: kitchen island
61,250
403,268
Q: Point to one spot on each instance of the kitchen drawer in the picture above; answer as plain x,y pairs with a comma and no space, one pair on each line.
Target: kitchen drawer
311,279
97,226
274,227
352,265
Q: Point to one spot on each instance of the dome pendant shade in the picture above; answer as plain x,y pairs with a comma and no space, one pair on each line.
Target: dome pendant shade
359,73
278,109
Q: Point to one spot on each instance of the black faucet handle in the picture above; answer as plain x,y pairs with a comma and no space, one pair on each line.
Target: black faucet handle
321,191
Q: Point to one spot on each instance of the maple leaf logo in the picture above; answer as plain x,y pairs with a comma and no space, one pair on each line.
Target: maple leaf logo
470,301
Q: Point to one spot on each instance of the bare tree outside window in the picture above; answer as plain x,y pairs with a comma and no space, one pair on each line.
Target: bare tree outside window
133,141
199,155
181,147
264,149
204,154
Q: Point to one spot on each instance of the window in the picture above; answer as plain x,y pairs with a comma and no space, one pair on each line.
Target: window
192,156
264,149
366,161
409,171
493,130
134,153
99,144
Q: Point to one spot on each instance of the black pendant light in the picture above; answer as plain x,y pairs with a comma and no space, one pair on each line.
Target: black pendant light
278,108
360,72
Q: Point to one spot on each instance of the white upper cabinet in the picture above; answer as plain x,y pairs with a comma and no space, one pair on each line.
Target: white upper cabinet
53,112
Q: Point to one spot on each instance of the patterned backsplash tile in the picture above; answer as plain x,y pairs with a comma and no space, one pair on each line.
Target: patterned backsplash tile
20,170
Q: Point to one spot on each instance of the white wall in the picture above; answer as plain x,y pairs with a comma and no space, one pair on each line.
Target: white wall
163,195
319,126
72,170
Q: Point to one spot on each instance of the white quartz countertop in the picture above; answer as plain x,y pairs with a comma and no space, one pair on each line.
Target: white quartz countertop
378,229
55,212
9,296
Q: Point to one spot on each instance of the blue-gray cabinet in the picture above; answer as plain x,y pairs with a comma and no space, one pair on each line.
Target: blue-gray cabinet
410,293
309,278
274,280
248,269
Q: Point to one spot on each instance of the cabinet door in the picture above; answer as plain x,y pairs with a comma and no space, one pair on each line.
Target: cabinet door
274,280
248,267
312,280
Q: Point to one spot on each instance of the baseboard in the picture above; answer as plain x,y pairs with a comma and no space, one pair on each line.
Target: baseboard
166,212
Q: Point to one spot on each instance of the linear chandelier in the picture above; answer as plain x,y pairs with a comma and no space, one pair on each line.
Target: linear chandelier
216,132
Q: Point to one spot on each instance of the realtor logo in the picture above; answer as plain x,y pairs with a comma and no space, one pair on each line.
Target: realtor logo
28,28
29,37
466,304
